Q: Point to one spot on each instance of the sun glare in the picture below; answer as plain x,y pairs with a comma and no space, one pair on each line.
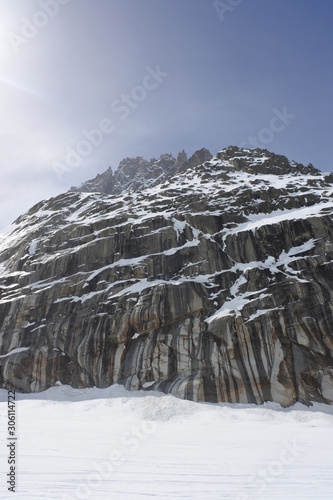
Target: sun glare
7,26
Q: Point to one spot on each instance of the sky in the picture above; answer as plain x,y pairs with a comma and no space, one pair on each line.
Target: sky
86,83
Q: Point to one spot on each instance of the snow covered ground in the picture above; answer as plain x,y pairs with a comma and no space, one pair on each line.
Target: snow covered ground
112,444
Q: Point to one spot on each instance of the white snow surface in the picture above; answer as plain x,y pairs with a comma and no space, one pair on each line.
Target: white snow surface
113,444
17,350
33,247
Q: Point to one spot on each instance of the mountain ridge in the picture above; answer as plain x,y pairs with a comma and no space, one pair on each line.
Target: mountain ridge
138,173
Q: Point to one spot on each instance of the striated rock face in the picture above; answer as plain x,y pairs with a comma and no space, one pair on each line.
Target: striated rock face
214,283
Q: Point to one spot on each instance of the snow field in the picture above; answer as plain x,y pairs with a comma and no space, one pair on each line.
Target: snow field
113,444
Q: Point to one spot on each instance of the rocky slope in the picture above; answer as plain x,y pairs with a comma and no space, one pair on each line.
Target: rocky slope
211,279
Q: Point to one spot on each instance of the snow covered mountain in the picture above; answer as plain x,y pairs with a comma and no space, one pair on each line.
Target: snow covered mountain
208,278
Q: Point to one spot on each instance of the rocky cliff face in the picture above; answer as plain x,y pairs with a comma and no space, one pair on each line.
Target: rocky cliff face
214,283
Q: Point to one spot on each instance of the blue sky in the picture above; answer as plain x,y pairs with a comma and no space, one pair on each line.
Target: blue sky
109,79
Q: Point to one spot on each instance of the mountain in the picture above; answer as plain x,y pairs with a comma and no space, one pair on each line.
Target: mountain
209,278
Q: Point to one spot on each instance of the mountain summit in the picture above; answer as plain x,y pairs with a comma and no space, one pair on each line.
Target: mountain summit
209,278
136,174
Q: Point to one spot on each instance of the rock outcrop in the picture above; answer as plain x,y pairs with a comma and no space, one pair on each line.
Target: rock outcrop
212,279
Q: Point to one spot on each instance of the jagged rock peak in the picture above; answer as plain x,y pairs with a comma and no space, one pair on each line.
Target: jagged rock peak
137,173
